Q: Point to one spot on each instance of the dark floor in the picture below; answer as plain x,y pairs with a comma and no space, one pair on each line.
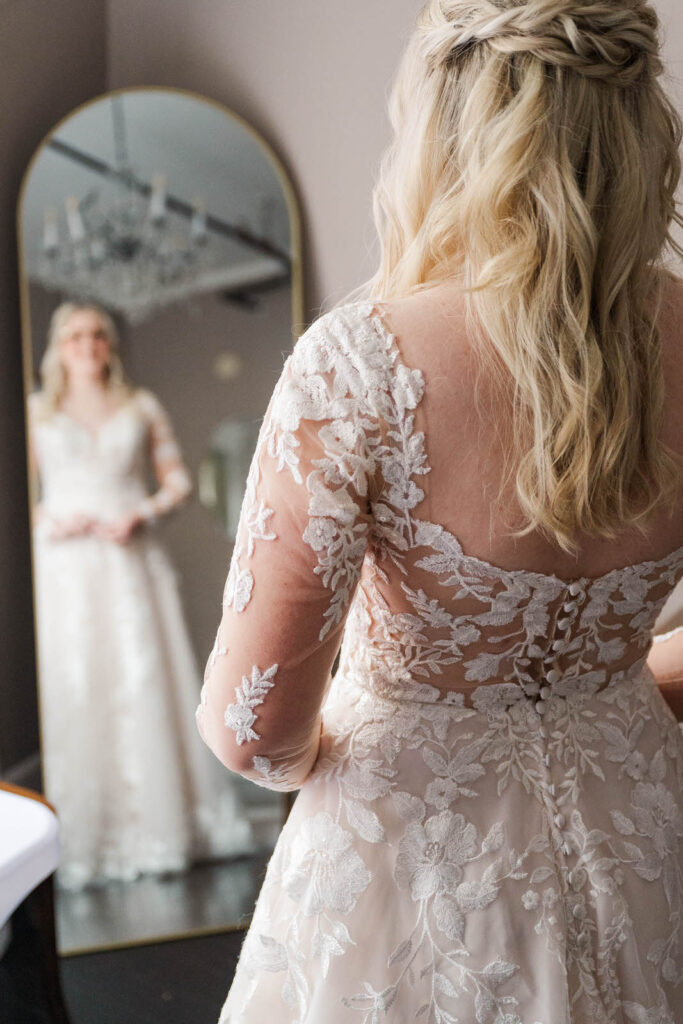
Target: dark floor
180,982
207,897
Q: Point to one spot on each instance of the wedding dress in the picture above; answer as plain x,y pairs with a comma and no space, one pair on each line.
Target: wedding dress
135,789
489,820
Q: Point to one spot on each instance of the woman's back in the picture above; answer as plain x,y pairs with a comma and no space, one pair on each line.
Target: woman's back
447,599
464,418
490,812
489,817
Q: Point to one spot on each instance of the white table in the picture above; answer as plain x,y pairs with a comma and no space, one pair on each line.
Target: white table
29,846
29,855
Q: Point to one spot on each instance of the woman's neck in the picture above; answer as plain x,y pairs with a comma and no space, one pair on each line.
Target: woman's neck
85,391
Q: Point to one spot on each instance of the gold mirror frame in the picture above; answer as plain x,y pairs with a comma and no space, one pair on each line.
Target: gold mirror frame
297,327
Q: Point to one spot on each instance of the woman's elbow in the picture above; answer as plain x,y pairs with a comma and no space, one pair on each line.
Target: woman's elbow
216,738
186,489
240,758
267,764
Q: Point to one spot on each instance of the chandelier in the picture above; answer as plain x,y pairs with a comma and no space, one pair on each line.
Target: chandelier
133,249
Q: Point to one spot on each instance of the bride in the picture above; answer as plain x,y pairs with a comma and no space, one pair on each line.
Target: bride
135,790
471,481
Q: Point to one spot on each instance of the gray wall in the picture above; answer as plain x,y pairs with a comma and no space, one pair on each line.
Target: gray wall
311,75
52,57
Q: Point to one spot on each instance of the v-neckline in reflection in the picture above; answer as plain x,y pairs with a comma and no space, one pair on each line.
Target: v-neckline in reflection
95,433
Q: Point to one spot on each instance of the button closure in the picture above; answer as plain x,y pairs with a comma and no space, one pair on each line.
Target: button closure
574,589
541,706
569,606
553,676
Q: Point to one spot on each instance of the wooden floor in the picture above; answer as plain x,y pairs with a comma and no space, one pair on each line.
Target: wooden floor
180,982
207,897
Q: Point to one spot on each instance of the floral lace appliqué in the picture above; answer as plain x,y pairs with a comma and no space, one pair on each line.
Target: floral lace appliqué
240,716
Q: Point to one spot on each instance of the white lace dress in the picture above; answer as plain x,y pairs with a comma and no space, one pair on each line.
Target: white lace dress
135,789
489,820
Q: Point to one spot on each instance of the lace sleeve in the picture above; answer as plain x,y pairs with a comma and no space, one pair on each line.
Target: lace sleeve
173,477
297,558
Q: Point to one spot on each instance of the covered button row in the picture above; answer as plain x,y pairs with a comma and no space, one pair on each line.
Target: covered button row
553,673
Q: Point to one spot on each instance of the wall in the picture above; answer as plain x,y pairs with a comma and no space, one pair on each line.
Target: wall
52,57
312,76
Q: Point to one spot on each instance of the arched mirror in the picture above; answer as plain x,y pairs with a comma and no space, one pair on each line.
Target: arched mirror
161,289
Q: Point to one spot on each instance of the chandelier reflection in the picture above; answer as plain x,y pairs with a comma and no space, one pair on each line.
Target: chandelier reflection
137,242
131,247
134,247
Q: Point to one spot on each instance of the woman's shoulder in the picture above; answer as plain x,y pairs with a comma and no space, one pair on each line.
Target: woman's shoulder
38,407
353,346
342,328
146,401
672,300
35,401
371,334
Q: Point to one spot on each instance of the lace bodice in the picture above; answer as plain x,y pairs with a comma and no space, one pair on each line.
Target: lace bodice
104,473
330,541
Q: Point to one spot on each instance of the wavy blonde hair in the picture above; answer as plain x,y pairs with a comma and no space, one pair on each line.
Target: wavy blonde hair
52,375
536,155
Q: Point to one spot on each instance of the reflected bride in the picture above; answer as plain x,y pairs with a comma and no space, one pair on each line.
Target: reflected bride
135,789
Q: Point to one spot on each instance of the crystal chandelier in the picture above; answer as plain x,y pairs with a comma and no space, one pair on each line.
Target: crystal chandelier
134,251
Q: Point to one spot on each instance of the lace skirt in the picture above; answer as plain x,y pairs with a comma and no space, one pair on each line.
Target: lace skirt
135,788
449,863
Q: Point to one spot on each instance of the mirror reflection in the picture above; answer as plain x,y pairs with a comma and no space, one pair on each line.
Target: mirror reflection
160,280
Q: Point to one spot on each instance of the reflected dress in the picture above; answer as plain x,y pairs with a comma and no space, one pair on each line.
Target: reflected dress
489,821
135,789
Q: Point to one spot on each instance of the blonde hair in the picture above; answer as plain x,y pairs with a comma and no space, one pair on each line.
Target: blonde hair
537,156
52,375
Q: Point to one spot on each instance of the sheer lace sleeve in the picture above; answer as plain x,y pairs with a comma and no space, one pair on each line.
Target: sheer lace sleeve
300,544
173,477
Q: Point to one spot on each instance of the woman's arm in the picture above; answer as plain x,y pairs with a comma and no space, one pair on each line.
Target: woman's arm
300,545
666,662
172,475
174,483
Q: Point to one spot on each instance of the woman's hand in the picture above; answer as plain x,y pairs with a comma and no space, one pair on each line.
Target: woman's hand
77,525
120,530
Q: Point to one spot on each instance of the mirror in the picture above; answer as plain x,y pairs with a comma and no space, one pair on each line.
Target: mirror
161,285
